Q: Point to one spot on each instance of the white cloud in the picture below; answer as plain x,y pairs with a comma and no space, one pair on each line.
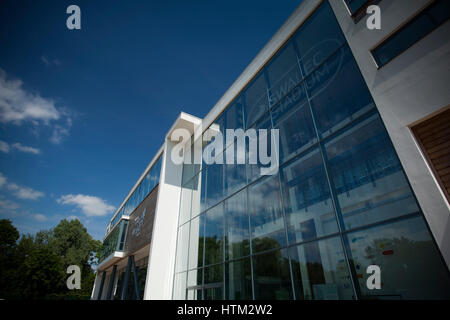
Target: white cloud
26,149
89,205
2,180
39,217
24,192
4,146
70,218
9,205
49,62
18,105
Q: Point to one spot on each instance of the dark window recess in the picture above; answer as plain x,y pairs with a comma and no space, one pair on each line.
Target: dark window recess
417,28
433,136
358,8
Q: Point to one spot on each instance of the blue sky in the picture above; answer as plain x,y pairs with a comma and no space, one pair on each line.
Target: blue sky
82,112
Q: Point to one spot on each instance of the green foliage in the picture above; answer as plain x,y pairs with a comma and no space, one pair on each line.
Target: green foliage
35,267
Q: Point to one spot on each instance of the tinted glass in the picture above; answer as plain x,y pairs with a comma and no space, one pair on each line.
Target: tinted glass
408,259
367,175
237,230
254,170
182,248
238,280
338,92
355,5
306,196
196,242
266,217
235,172
214,228
292,117
284,73
256,100
318,38
320,271
271,274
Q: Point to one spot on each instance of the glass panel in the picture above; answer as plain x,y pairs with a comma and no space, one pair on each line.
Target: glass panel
256,102
235,173
182,248
272,279
355,5
185,203
195,277
410,265
338,92
293,118
198,198
254,170
194,294
368,178
320,271
196,241
234,117
215,188
266,218
318,38
214,282
308,206
284,73
214,243
237,231
238,280
179,287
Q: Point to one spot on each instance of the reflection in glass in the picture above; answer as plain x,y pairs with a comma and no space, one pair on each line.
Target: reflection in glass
182,248
367,175
284,73
338,92
214,181
272,279
238,280
266,218
185,203
195,278
237,243
179,286
318,38
410,265
292,117
213,282
196,242
235,173
308,206
254,170
256,100
214,225
320,271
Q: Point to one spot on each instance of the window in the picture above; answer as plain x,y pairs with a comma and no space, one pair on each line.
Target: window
292,117
318,38
284,73
238,280
338,92
182,248
237,230
355,5
320,271
272,277
256,100
214,228
266,218
433,136
179,286
308,206
196,242
235,172
409,261
422,24
185,203
367,175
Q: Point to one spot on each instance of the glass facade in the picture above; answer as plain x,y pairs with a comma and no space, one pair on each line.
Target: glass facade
339,203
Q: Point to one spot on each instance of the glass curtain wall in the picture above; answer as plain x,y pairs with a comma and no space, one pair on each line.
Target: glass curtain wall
339,202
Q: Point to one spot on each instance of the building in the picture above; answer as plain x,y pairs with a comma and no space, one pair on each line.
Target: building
363,117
